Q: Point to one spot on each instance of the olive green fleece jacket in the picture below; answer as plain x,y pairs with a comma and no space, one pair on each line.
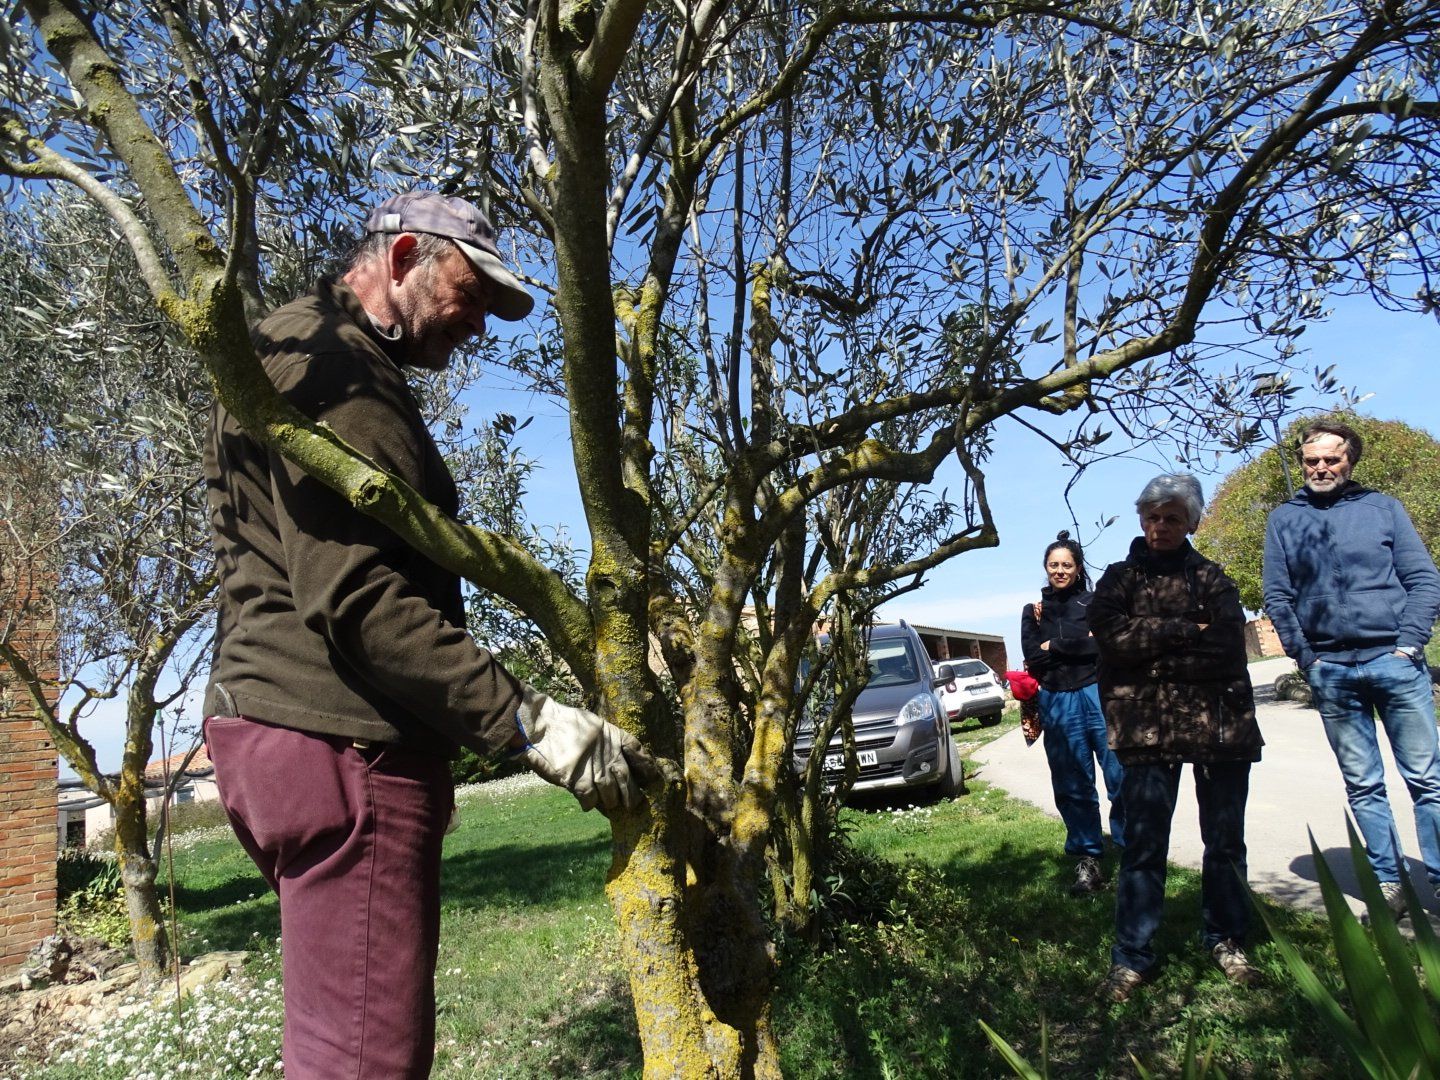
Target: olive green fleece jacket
329,622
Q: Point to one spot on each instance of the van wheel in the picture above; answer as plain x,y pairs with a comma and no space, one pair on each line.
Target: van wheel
952,780
989,719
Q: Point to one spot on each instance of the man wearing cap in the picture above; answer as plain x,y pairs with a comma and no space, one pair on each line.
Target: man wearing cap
343,677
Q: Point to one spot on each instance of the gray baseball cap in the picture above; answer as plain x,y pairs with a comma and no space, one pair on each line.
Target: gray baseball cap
455,219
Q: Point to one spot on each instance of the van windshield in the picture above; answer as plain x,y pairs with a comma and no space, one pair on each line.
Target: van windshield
891,663
966,668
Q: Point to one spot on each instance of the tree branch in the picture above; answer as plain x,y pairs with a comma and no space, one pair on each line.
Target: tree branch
77,752
614,32
530,108
48,165
113,110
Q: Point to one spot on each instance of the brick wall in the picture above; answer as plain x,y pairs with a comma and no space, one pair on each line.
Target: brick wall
1261,639
28,775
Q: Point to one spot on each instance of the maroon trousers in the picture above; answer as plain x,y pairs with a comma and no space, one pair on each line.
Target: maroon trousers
350,838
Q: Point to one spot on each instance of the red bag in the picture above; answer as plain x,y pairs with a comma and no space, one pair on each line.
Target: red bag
1025,689
1022,685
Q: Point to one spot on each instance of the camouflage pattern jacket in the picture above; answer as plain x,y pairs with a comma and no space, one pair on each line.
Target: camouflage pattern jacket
1173,677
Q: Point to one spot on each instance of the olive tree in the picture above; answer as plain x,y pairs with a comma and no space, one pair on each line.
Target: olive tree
757,227
99,442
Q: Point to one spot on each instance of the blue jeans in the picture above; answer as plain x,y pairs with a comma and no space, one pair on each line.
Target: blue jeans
1150,792
1074,729
1348,697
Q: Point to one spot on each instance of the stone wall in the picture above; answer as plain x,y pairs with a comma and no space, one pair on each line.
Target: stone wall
28,776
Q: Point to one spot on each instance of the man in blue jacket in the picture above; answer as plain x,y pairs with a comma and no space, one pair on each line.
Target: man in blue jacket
1354,594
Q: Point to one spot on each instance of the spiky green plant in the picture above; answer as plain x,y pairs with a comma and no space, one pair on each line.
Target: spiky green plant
1012,1057
1194,1066
1394,1031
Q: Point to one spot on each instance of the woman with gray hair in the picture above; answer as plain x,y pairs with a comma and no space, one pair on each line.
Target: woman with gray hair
1175,688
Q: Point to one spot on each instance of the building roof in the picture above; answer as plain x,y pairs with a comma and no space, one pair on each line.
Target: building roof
155,773
973,635
199,765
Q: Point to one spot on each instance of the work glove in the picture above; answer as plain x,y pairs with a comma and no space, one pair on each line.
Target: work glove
598,763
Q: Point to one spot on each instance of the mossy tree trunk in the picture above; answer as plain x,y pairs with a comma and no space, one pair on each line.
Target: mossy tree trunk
138,873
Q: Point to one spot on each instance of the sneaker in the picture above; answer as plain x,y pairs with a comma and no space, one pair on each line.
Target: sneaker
1231,959
1394,901
1088,878
1119,984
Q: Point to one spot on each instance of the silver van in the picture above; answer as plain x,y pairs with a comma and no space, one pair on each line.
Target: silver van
902,735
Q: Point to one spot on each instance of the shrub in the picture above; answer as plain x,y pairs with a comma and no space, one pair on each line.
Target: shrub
470,768
190,816
80,869
92,898
106,919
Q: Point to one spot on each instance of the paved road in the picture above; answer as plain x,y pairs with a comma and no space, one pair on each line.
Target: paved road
1296,786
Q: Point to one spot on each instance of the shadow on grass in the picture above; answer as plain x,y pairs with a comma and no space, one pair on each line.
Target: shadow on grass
230,913
904,998
597,1037
531,873
233,890
591,1032
1267,1031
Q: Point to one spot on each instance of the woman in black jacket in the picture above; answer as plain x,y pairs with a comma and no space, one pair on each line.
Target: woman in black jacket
1060,654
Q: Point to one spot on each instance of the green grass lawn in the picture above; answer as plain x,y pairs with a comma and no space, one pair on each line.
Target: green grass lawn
528,982
979,926
990,933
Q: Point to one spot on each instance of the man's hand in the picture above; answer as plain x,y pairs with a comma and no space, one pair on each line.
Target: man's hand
596,762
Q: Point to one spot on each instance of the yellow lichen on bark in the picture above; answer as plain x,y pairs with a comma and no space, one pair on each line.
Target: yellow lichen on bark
212,318
647,899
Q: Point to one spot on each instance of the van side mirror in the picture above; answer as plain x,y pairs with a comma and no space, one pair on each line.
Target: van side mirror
943,674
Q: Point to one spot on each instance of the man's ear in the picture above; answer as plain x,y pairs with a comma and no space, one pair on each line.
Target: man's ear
399,260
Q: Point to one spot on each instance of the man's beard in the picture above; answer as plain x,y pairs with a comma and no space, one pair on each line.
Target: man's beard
432,352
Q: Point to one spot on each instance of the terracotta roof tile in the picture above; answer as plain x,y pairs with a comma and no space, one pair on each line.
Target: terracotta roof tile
200,763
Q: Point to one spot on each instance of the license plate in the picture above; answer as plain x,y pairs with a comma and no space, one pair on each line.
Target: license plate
836,762
977,689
